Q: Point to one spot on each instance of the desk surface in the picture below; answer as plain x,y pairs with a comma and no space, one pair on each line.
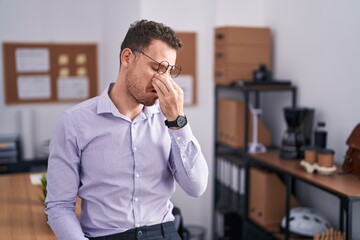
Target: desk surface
22,213
346,185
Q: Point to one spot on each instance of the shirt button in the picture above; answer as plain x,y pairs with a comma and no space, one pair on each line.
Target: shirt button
137,175
135,148
137,225
136,199
140,233
178,138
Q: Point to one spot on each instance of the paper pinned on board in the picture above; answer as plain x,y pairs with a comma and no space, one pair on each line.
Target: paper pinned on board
73,87
186,84
32,60
34,87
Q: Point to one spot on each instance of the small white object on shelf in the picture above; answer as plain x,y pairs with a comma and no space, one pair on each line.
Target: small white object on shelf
255,146
325,170
310,168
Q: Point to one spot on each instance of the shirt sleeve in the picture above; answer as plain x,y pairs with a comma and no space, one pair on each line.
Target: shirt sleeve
63,181
187,162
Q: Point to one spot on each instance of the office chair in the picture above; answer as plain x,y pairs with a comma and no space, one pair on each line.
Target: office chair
179,225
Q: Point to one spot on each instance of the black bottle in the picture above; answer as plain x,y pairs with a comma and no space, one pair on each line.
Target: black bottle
320,135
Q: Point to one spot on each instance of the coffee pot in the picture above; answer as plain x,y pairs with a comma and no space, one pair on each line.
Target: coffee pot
298,133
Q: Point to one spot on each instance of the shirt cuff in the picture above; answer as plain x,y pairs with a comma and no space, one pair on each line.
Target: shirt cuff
181,136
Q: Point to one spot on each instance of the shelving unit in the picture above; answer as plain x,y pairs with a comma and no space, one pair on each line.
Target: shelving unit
226,197
226,200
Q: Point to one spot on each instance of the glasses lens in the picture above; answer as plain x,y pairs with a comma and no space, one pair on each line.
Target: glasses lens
163,67
175,71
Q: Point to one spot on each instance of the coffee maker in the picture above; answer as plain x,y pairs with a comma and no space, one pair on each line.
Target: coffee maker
298,133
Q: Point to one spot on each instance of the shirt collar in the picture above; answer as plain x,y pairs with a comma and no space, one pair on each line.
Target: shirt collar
105,105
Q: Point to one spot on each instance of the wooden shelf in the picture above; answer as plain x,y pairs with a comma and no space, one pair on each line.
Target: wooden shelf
346,185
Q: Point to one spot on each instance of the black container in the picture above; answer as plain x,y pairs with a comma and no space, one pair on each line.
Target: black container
320,135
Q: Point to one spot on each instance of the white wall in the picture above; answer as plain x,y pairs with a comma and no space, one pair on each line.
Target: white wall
117,17
316,45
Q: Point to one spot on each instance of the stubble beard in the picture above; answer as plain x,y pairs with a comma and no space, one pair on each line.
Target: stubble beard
136,90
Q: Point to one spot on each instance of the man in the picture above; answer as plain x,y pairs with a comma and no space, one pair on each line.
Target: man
121,152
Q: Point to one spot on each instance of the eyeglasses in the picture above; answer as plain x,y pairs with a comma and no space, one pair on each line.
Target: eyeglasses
164,66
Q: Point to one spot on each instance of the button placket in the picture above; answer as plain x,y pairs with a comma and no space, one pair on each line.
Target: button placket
135,198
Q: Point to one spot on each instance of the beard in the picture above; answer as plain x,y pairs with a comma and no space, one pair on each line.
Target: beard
137,90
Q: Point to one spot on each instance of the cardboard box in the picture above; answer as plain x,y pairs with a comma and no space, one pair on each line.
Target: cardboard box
243,54
227,73
267,198
239,51
231,117
243,35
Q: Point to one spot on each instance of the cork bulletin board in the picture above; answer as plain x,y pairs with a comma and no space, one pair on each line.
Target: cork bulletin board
186,58
49,72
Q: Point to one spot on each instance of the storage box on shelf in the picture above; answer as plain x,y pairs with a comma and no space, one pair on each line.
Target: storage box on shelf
239,51
267,198
231,117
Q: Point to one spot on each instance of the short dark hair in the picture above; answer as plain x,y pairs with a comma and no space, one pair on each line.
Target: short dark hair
141,33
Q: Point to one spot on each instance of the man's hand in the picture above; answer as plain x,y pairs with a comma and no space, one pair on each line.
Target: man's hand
171,96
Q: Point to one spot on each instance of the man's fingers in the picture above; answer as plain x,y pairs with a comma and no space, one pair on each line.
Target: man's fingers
158,90
167,82
176,86
161,88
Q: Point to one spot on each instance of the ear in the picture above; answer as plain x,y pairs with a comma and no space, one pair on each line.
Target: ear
126,56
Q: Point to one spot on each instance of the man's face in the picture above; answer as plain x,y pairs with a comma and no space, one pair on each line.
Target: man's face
138,79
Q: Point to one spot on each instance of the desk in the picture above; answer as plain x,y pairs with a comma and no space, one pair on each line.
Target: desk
22,213
344,186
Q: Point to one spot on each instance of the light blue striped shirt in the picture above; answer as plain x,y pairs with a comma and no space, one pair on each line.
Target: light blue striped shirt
124,171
